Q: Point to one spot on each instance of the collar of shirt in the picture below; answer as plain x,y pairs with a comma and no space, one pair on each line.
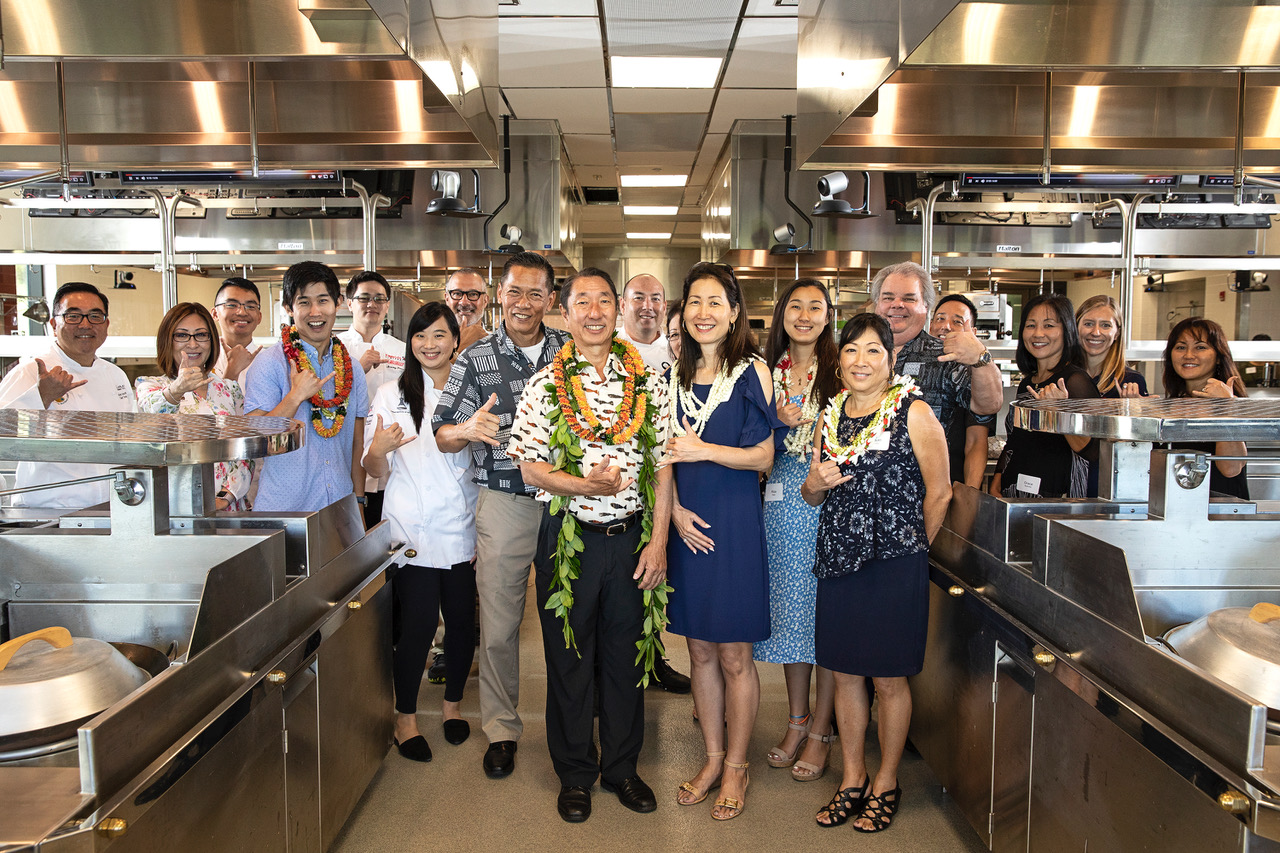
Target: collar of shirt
69,364
504,343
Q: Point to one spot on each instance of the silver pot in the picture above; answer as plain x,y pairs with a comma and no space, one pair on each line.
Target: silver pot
1239,645
50,682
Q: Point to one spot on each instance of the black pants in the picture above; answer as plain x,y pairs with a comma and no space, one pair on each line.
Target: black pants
372,509
607,618
423,594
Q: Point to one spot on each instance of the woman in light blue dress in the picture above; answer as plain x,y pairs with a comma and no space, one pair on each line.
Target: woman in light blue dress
802,357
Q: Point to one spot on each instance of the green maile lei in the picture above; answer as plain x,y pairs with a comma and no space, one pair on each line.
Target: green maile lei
566,453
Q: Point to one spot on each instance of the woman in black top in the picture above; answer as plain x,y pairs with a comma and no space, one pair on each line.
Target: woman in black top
1198,363
1043,464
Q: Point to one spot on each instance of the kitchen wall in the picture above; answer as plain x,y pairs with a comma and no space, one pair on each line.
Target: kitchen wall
668,264
139,311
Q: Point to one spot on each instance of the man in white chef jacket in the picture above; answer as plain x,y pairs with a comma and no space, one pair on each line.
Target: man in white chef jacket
644,314
379,354
69,376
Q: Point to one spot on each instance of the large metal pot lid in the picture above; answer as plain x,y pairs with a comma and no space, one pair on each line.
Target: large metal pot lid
1252,630
49,678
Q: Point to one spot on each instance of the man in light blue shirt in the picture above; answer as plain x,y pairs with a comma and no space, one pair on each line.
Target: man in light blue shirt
309,375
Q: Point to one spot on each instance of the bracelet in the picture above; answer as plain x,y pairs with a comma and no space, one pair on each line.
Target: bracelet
168,398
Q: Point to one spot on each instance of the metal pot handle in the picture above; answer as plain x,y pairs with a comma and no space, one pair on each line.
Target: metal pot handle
1263,612
59,638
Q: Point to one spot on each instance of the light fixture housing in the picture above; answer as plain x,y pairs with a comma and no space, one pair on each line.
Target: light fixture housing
449,183
654,180
664,72
648,235
833,183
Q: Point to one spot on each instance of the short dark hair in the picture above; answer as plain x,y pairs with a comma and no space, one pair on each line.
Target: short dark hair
303,273
242,283
1072,352
79,287
586,272
740,343
363,276
411,385
164,337
958,297
859,323
533,261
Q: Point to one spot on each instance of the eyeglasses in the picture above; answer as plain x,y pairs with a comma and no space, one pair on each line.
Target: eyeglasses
365,299
75,318
233,305
469,295
201,337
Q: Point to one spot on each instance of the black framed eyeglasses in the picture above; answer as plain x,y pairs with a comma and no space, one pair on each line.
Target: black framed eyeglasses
469,295
75,318
199,337
365,299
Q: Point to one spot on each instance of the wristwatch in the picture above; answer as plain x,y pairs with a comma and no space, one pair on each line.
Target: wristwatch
361,499
984,359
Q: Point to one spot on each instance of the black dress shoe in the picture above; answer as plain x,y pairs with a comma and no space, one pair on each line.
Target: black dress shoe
500,759
574,803
633,793
668,679
456,731
414,749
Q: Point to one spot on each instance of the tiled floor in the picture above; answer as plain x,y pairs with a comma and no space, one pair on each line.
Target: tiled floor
449,804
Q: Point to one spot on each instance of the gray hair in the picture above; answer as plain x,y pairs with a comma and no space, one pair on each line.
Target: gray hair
907,268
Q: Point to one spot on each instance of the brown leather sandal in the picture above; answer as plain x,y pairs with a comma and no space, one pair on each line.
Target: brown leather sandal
699,796
734,805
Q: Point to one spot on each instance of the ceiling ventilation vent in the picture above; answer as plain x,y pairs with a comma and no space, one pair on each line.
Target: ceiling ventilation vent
600,195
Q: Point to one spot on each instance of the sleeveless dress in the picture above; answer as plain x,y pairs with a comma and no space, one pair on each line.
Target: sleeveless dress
872,561
723,596
790,530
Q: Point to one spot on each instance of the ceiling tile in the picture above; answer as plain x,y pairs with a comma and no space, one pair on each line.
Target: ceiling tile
670,27
596,174
579,110
595,148
551,7
652,195
665,100
734,104
768,7
545,52
687,229
657,131
764,56
634,159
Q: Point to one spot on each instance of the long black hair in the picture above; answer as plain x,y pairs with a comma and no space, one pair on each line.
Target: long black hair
411,384
826,382
1224,368
1072,352
737,345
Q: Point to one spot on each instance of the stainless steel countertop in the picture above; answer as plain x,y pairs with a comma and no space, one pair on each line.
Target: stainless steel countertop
1154,419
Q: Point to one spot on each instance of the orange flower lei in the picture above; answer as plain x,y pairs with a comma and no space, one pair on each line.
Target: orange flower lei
632,411
334,408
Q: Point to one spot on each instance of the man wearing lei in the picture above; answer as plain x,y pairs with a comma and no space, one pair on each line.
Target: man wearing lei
309,375
586,435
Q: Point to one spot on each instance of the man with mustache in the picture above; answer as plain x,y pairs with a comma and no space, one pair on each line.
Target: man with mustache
467,295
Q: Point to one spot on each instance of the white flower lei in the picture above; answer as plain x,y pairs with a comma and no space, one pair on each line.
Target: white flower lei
699,412
799,440
899,389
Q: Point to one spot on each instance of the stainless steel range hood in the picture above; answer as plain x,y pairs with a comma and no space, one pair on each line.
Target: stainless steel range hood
196,84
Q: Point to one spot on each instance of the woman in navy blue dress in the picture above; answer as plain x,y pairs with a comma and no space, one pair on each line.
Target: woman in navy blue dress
722,425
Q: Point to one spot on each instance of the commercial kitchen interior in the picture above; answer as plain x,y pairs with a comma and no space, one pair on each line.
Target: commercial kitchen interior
1118,146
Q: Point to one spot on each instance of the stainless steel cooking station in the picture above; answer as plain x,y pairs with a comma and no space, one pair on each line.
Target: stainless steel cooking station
1050,706
272,718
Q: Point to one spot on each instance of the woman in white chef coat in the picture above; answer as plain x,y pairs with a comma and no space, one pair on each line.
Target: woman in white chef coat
430,502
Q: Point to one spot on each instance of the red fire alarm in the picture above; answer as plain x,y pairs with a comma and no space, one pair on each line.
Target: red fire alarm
1222,296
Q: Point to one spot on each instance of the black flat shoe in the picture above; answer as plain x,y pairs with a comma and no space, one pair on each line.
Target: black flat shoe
456,731
668,679
574,803
500,759
414,749
633,793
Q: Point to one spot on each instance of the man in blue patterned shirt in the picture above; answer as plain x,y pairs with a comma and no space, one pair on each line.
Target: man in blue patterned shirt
955,375
476,409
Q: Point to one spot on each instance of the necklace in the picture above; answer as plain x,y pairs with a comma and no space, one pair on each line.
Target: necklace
800,438
700,412
573,422
334,408
851,453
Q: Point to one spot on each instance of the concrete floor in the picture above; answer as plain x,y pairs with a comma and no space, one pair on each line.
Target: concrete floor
449,804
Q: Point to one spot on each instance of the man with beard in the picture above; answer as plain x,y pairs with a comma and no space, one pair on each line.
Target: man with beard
465,292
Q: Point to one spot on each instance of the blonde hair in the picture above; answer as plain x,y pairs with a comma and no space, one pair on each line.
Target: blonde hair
1113,366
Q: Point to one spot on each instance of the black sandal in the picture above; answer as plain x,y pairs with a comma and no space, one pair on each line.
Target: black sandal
846,804
880,809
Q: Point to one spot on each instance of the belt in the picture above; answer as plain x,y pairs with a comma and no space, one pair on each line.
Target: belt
613,528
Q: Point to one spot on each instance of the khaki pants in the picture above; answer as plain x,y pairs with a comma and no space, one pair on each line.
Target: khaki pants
506,539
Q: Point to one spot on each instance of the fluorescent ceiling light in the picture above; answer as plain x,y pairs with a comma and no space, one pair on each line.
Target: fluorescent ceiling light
648,235
654,180
649,210
664,72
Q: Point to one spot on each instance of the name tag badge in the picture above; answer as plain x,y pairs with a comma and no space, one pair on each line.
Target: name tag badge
773,492
912,368
880,442
396,361
1029,484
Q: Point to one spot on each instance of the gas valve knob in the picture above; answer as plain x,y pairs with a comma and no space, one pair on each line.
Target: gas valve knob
1233,801
1044,658
955,591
